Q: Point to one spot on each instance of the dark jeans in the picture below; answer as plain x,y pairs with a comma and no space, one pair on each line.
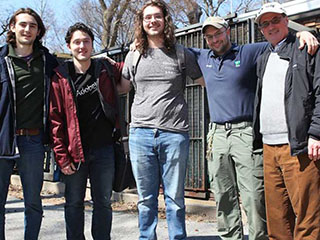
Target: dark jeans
30,165
99,167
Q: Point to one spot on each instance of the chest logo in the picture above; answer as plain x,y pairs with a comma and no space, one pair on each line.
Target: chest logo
237,63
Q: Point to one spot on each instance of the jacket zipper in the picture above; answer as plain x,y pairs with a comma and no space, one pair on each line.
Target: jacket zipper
13,84
285,99
73,92
46,90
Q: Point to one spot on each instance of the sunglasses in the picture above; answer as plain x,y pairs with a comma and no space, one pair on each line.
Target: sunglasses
274,20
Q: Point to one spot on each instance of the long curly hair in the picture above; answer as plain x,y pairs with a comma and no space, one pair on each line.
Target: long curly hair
11,36
141,37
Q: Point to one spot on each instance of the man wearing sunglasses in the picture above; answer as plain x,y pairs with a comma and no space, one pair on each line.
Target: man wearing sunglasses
287,119
233,167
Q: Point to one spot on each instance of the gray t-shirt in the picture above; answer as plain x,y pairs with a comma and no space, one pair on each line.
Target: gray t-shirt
159,89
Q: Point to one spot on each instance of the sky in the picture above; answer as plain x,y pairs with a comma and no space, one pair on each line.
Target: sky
61,8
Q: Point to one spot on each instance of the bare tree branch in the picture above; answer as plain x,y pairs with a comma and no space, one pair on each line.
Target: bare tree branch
4,26
107,20
103,5
123,8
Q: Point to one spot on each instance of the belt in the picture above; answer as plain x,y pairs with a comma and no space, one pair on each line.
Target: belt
28,131
228,126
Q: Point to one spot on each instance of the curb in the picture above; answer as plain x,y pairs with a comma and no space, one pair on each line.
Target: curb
193,206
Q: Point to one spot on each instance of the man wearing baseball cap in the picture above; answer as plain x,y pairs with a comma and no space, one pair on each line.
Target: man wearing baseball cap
287,119
233,167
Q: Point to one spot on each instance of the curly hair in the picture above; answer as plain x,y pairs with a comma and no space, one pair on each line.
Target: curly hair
78,27
11,36
141,37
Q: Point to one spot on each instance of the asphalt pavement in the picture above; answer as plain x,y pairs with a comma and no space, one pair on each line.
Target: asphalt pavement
200,221
124,226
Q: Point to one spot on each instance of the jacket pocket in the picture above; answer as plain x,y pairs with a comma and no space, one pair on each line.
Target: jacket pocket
309,104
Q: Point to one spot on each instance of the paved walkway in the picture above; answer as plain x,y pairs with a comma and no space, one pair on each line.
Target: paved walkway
125,224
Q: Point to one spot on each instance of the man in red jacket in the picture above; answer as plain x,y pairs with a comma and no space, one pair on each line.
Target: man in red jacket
83,118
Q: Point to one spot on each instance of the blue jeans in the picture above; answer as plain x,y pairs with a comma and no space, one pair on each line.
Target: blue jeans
30,166
159,156
99,167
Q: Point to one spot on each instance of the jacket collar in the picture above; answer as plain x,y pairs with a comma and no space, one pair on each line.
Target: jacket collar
63,68
36,52
4,50
285,47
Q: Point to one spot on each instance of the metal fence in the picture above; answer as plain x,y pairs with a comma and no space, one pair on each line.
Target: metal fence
196,180
196,184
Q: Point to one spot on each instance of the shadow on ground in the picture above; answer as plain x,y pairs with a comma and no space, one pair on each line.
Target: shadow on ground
204,238
209,238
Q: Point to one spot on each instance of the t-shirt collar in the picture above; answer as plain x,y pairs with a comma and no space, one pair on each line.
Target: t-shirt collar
234,48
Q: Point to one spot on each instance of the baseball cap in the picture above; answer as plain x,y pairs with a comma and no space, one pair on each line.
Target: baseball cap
216,22
273,7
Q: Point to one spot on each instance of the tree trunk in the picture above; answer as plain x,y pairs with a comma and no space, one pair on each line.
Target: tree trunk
193,11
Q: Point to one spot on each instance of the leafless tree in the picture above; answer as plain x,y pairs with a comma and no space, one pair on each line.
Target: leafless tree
4,24
53,38
225,7
186,11
111,20
90,13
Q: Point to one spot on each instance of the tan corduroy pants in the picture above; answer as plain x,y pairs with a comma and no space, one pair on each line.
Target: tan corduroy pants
292,190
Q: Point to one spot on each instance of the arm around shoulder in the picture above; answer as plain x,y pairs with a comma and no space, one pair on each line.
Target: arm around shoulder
200,81
306,38
123,86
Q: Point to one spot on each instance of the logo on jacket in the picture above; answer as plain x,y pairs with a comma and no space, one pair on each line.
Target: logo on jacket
237,63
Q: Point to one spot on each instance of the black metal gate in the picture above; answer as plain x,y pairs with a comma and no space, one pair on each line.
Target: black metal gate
196,184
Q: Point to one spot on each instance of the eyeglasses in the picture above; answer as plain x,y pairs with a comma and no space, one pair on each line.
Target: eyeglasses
148,18
274,20
214,36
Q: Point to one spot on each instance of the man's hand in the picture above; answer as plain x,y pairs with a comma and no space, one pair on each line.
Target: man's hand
69,169
311,41
313,149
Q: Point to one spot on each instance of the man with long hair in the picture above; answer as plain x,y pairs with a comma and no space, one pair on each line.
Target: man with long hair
26,68
158,137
